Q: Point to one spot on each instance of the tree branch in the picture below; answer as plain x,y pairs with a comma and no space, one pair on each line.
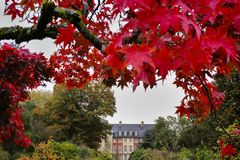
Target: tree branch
23,34
20,34
95,10
46,16
74,17
213,108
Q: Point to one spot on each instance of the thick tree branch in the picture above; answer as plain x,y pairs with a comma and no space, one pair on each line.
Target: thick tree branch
20,34
46,16
74,17
40,31
23,34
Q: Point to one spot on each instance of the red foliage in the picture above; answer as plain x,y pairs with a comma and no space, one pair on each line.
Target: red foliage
194,39
19,70
66,35
227,149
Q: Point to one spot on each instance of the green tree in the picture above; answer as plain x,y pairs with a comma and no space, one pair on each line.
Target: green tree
76,114
230,110
194,136
229,113
32,110
162,136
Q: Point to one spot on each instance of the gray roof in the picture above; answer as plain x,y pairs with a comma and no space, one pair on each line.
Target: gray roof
130,130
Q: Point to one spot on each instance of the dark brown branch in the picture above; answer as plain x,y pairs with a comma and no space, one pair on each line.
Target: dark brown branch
95,10
46,16
74,17
25,34
213,108
40,31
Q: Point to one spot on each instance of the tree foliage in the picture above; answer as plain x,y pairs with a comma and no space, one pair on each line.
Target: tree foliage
162,136
194,39
76,114
229,113
230,110
19,70
173,134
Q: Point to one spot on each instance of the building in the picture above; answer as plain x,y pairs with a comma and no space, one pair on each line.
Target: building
126,138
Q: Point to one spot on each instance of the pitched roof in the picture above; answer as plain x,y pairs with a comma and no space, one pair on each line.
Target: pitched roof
128,130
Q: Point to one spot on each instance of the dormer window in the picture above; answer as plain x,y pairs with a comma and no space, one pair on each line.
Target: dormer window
120,133
130,133
125,133
136,133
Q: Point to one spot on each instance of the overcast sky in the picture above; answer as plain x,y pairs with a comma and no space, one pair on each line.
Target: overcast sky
132,107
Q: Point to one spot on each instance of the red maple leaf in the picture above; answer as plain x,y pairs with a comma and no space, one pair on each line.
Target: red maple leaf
12,10
186,22
162,61
137,56
114,61
228,150
182,110
217,39
66,35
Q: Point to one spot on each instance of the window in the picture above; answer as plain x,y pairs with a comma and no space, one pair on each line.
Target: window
120,133
130,148
125,139
130,139
114,149
125,148
119,149
125,133
130,133
136,133
125,157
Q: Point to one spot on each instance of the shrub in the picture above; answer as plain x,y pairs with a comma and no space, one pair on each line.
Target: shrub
185,154
204,153
64,151
149,154
4,155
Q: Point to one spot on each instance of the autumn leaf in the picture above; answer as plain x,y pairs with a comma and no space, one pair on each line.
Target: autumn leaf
137,56
182,110
217,39
162,61
114,61
227,150
186,22
13,11
66,35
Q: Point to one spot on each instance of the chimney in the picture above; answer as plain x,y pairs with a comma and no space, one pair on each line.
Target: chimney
120,123
142,123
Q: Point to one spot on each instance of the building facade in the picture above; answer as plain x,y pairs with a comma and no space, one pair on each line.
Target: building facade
126,138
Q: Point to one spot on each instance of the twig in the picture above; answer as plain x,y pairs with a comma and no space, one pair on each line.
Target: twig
95,10
213,108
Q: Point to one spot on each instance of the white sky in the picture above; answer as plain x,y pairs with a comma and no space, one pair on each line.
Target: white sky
131,107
